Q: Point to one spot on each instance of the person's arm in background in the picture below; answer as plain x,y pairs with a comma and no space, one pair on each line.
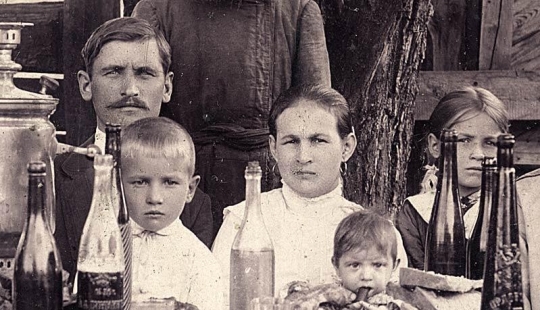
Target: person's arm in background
312,65
413,231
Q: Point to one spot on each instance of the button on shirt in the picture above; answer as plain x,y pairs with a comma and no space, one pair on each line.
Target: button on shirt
172,262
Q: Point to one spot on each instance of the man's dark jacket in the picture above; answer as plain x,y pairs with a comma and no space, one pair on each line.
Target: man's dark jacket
74,180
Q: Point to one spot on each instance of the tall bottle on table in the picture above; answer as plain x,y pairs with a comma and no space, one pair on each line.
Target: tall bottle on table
113,147
101,263
37,279
502,288
252,253
477,245
445,242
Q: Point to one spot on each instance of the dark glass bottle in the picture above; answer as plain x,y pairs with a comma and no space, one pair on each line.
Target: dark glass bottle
445,241
113,147
37,280
252,253
100,265
476,247
502,287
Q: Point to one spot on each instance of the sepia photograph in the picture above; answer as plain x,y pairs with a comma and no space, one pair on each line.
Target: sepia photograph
270,154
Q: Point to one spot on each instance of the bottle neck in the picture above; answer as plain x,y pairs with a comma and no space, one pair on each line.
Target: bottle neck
36,196
103,187
253,195
505,157
447,166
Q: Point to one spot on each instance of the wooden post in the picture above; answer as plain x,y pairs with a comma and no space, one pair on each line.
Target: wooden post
496,35
81,18
376,48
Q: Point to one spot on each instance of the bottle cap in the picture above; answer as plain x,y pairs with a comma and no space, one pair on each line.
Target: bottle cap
110,127
105,160
506,140
489,161
253,167
36,167
449,135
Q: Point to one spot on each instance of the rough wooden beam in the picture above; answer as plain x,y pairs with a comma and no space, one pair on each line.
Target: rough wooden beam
519,90
496,35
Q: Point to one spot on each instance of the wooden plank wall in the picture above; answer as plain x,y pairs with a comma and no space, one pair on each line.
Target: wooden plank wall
526,35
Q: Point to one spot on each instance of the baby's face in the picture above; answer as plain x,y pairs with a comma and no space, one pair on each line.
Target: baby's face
365,268
156,189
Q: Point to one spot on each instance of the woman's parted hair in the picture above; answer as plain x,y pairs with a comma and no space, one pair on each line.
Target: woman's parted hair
125,29
326,97
363,230
158,136
460,105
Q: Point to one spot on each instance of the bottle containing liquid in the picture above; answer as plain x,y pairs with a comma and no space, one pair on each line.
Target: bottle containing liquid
37,279
113,147
252,253
476,247
445,241
502,287
101,264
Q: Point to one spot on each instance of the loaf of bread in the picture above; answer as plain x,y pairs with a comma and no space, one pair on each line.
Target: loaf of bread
410,277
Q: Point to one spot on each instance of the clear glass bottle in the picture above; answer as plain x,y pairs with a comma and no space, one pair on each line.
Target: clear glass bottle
37,279
101,264
113,147
477,244
252,253
502,288
445,240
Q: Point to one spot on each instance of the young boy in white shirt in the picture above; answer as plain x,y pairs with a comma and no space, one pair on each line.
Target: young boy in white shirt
158,162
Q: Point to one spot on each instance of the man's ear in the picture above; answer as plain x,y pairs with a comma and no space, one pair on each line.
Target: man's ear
192,188
85,85
434,146
272,145
168,87
349,146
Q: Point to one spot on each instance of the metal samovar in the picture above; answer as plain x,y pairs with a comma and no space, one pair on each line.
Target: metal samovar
26,135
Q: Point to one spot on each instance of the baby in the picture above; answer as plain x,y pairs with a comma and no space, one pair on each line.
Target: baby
158,163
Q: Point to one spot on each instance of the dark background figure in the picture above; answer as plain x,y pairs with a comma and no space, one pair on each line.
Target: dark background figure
231,60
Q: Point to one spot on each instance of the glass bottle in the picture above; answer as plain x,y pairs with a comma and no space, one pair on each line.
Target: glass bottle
101,264
113,147
476,246
37,279
445,241
252,253
502,288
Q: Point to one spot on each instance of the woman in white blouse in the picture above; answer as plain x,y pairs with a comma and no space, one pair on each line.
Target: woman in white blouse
311,139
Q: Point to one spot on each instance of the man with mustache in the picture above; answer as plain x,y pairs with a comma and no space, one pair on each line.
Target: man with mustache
232,59
126,78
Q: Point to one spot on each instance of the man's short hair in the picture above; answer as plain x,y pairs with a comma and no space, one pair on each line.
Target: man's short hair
125,29
158,136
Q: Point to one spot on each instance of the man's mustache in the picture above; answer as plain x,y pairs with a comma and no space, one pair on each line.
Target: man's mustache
129,102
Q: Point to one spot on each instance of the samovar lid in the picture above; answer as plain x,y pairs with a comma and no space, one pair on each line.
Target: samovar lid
10,38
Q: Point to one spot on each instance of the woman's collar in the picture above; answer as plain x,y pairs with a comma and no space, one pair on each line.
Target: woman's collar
296,202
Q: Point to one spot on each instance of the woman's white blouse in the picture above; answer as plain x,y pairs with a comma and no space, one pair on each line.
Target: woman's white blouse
302,232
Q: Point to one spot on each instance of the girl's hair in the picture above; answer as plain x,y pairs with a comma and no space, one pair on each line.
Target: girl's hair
153,137
324,97
363,230
464,104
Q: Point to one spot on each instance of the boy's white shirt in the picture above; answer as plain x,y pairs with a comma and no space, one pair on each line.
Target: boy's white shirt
174,263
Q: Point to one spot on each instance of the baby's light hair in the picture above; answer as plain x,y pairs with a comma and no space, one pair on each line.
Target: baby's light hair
363,230
158,136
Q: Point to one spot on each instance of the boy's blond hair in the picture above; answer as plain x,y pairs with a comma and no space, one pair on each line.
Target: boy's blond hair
158,136
364,230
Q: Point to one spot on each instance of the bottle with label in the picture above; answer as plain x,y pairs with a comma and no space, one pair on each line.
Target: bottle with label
252,253
502,288
476,247
101,264
113,147
37,279
445,241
